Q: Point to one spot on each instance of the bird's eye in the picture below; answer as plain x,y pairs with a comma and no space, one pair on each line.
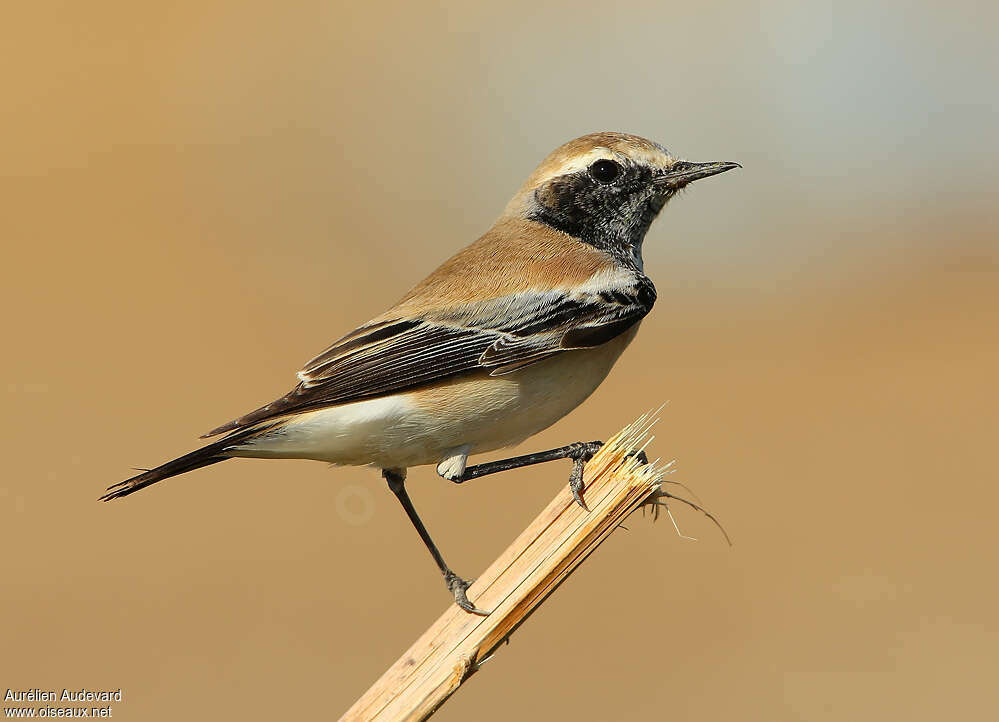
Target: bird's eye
605,171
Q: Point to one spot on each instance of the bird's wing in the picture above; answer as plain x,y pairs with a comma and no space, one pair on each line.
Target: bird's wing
498,335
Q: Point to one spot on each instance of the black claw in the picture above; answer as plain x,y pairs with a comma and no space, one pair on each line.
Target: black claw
457,587
584,450
580,454
642,457
576,482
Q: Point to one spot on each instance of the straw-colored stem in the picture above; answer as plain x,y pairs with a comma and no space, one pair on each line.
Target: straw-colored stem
513,586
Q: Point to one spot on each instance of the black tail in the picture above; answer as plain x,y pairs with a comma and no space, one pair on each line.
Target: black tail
211,454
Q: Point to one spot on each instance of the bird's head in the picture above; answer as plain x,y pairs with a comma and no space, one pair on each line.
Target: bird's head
606,189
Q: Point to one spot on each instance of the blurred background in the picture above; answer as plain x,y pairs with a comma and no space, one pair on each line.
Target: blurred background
198,196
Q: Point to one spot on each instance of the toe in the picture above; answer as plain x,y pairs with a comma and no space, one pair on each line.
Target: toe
457,585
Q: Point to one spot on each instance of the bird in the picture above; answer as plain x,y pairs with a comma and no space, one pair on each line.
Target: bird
501,341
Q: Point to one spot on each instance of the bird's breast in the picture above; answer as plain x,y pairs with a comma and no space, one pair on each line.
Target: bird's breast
491,412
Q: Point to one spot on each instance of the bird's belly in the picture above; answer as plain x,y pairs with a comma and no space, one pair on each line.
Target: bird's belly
421,426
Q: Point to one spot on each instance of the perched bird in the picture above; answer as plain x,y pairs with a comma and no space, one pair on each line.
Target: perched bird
500,342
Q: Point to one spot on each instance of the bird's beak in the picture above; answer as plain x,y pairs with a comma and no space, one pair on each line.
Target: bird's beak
683,172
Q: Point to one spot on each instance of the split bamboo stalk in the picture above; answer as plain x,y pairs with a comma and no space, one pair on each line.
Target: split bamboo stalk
516,583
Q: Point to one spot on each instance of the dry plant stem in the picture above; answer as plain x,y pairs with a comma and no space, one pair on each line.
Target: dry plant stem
523,576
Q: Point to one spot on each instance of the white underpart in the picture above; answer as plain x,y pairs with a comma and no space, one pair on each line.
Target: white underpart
453,466
357,433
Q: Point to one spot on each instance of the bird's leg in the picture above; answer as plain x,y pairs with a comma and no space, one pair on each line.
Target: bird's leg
396,479
580,453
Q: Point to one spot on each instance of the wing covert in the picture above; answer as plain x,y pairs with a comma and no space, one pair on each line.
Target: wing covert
500,335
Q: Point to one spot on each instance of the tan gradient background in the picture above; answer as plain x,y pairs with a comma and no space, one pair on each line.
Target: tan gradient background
197,196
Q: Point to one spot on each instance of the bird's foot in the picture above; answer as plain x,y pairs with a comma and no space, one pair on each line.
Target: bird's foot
457,586
581,452
642,457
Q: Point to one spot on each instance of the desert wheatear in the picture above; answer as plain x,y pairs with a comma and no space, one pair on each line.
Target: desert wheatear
500,342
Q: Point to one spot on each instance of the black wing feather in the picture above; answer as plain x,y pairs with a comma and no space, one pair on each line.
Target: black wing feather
500,335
